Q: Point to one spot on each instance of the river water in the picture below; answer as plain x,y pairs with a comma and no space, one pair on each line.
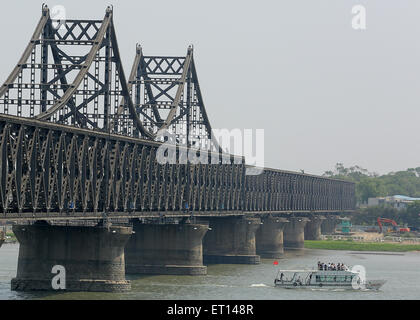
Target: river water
247,282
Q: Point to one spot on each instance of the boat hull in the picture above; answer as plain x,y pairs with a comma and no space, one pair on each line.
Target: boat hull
369,285
374,284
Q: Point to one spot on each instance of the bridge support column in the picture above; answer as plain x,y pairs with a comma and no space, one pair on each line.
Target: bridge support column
328,225
313,228
2,238
92,257
294,233
269,237
231,241
166,249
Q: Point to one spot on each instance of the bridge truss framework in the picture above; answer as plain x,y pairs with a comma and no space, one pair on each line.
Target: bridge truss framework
79,140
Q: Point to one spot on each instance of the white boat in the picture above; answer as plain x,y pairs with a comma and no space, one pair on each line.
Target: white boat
331,279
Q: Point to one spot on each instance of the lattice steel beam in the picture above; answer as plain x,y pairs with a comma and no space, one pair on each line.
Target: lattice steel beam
74,144
49,169
72,75
167,95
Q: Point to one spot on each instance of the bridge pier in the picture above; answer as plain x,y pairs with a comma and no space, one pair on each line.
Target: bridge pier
92,257
231,240
2,238
294,233
166,249
329,224
269,237
313,228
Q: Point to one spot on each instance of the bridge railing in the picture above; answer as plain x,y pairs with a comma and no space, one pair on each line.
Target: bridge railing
278,190
49,168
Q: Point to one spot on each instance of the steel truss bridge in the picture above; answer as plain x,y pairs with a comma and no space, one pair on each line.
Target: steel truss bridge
79,140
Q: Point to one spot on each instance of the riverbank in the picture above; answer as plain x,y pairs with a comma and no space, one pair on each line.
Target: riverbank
10,237
360,246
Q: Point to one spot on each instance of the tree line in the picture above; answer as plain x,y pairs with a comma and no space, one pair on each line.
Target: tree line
403,217
371,185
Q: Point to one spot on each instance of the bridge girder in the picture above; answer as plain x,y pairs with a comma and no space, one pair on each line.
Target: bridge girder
56,170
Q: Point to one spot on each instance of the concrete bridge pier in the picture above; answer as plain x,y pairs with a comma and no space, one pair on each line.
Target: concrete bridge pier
2,238
166,249
231,240
294,233
269,237
92,257
313,228
329,224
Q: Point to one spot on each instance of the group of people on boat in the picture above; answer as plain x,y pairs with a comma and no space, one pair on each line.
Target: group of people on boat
332,266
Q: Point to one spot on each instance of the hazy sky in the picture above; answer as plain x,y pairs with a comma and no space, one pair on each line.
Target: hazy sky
323,92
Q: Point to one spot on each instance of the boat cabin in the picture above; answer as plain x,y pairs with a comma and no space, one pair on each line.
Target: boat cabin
315,278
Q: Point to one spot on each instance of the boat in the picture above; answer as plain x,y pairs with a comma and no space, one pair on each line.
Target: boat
330,279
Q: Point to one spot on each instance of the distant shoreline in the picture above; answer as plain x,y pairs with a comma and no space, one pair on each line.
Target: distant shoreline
360,246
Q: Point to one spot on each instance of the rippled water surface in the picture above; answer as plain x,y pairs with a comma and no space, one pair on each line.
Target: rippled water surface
401,271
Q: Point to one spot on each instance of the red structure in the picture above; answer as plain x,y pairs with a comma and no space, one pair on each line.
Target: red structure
394,224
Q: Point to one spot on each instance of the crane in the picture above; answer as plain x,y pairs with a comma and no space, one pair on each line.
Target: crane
394,224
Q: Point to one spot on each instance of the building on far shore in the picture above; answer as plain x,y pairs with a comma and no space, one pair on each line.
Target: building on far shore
398,201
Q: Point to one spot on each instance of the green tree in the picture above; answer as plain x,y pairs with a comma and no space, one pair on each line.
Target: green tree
412,214
370,184
368,188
